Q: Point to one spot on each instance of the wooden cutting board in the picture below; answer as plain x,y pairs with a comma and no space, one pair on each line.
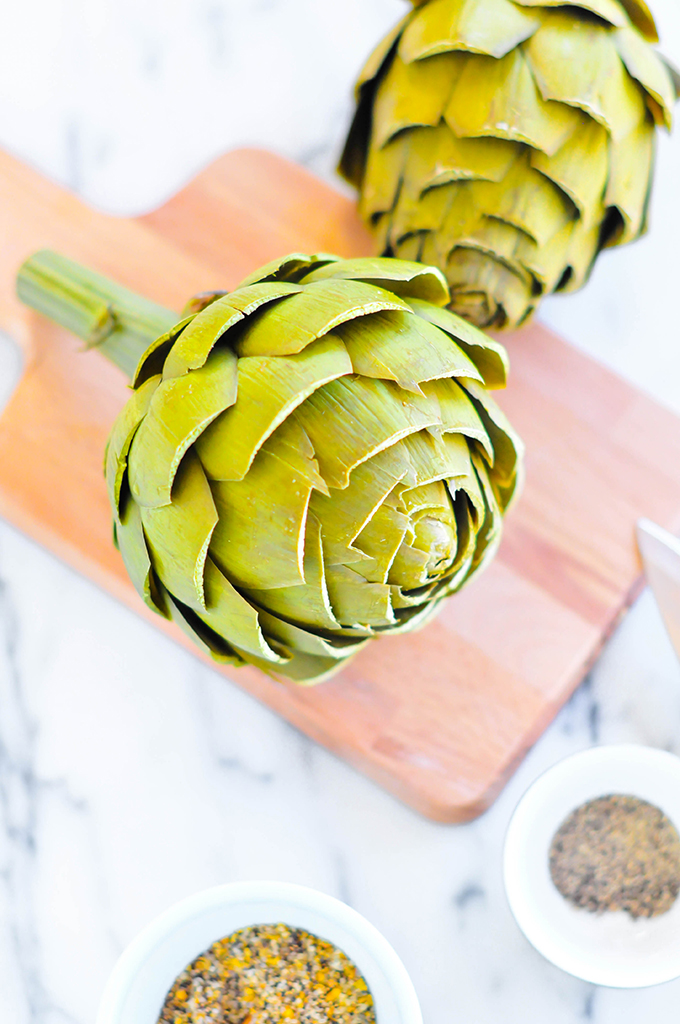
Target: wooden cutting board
442,717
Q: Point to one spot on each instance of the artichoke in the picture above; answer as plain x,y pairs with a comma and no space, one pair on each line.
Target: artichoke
509,141
306,462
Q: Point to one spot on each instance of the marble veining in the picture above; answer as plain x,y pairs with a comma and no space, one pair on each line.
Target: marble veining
130,775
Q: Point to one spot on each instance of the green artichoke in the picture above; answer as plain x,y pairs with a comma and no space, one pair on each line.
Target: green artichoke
306,462
509,141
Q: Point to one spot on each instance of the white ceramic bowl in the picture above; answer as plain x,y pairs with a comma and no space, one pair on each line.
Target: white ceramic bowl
148,967
605,949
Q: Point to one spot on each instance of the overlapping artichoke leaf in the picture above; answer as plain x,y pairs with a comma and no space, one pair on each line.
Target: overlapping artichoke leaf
231,616
202,635
308,605
493,27
288,268
269,389
131,542
179,411
404,278
260,537
316,463
178,534
204,331
508,142
121,437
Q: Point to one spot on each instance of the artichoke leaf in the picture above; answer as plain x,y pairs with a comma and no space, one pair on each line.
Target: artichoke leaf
131,543
122,434
489,532
490,358
194,345
461,218
584,244
234,618
356,602
452,584
411,95
409,568
647,68
379,55
179,411
383,179
506,493
411,598
547,263
500,98
608,10
492,27
467,516
488,234
433,458
269,389
472,489
307,606
354,418
287,268
202,636
628,186
414,212
458,415
432,495
588,147
429,553
259,542
404,348
576,62
299,320
345,513
641,16
404,278
488,291
298,639
411,619
410,247
153,357
178,535
380,539
507,446
303,669
526,200
435,156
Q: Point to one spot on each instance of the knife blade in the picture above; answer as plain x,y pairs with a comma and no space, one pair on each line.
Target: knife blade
660,551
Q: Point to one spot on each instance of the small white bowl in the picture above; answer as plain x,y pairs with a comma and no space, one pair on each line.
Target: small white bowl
148,967
605,949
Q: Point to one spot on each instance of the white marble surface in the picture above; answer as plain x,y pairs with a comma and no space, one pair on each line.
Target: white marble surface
129,774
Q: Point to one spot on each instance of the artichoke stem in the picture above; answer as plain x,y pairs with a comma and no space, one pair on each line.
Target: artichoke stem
105,315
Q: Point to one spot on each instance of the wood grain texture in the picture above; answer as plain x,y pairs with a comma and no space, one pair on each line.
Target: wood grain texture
440,717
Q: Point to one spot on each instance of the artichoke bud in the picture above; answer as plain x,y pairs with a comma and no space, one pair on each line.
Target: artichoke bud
306,462
508,142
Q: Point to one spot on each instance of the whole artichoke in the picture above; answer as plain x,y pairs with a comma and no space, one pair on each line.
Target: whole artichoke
509,141
306,462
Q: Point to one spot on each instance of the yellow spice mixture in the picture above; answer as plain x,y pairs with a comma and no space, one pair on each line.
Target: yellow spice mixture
270,973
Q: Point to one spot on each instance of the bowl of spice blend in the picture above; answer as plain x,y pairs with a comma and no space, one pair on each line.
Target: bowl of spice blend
592,865
259,953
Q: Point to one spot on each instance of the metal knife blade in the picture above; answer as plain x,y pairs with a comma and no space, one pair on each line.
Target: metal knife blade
660,551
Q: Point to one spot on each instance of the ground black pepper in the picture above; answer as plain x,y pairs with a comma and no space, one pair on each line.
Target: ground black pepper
617,853
266,974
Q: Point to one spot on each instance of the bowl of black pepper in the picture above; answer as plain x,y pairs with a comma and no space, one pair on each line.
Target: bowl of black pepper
592,865
259,953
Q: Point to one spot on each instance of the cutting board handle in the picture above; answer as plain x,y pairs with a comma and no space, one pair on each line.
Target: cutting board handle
35,214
